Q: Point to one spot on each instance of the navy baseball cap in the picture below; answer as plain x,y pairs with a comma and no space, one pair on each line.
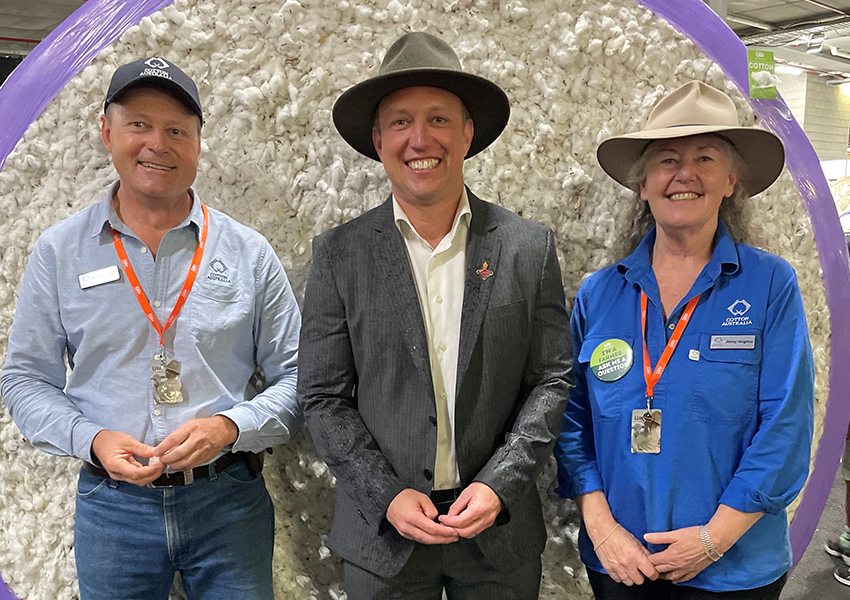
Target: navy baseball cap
155,72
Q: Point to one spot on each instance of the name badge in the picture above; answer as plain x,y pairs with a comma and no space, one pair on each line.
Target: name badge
99,277
733,342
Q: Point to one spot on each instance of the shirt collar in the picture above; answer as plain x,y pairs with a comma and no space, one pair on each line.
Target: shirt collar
463,214
105,214
724,259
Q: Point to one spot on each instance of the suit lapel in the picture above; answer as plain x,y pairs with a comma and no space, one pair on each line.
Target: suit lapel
482,247
393,265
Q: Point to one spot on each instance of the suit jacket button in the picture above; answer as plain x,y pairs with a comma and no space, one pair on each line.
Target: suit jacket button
433,420
428,474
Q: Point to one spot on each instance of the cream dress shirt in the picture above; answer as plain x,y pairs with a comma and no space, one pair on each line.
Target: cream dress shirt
439,274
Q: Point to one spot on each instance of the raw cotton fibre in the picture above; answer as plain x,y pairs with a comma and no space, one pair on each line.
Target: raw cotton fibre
840,189
269,72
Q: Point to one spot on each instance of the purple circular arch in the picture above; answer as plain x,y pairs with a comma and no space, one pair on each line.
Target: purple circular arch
98,23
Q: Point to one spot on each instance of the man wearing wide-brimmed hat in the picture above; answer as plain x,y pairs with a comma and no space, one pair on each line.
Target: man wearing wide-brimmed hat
435,359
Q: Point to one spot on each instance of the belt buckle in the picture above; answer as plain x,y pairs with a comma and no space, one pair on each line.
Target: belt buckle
151,485
188,479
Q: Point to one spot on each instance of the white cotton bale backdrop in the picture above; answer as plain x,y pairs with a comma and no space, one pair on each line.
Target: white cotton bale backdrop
269,73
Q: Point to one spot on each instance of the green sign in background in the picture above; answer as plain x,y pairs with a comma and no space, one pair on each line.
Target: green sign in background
761,67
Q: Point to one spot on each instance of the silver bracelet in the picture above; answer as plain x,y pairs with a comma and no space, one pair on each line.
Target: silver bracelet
707,545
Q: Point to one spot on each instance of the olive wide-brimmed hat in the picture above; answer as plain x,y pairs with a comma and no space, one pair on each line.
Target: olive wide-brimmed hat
695,109
421,59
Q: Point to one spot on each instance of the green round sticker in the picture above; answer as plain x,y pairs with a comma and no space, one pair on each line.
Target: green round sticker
611,360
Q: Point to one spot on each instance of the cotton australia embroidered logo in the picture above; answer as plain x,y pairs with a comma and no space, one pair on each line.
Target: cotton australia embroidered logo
217,271
156,66
739,309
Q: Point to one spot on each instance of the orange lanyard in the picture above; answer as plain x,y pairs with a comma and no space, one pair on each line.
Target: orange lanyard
652,376
187,286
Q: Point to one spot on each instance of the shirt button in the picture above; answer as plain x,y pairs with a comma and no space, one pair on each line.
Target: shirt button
443,396
433,420
442,348
444,442
157,303
672,326
439,299
144,250
428,474
157,412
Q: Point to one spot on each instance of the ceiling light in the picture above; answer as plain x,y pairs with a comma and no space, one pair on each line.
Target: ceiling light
788,70
749,22
815,44
845,88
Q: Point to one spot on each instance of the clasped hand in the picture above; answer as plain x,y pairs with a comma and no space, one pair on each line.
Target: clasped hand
416,518
627,561
193,443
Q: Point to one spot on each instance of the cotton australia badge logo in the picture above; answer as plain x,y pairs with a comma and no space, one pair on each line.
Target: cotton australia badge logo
217,271
739,309
156,68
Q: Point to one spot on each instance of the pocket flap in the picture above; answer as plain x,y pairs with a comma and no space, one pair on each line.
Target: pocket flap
220,293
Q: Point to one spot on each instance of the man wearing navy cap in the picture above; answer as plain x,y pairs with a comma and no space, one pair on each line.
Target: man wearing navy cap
164,310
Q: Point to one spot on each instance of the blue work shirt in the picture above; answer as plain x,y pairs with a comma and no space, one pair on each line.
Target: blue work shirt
240,316
736,424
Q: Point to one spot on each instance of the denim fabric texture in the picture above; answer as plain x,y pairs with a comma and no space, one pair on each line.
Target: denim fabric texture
217,532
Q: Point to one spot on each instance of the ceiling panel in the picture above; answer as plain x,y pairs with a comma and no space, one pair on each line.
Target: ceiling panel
33,20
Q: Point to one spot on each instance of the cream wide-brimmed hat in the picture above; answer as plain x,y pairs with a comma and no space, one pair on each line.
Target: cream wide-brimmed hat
421,59
695,109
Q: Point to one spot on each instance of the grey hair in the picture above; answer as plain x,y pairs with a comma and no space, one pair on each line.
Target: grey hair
637,173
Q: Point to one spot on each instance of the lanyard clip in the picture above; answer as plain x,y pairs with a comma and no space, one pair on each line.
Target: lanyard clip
648,403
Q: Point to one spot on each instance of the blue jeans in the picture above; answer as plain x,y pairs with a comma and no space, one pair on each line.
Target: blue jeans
217,532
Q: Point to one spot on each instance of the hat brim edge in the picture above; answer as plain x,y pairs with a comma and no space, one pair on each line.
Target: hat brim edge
760,149
488,105
162,84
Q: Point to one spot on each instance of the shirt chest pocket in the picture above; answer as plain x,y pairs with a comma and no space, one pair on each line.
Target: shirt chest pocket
727,382
221,315
606,397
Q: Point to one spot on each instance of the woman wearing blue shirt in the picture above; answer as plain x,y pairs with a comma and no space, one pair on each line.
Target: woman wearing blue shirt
688,432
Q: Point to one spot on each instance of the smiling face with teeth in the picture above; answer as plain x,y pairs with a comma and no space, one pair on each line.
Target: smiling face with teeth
155,145
686,180
422,135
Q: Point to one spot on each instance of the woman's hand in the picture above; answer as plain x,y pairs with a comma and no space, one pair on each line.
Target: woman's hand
684,557
625,559
621,554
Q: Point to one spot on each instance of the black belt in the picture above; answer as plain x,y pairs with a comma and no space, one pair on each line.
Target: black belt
443,499
181,477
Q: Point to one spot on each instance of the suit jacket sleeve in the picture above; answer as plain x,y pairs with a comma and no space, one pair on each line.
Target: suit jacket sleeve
327,386
547,381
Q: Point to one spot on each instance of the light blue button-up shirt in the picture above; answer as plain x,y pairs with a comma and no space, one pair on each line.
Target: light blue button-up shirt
240,317
736,401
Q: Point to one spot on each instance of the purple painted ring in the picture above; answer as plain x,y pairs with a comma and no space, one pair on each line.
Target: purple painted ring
698,22
98,23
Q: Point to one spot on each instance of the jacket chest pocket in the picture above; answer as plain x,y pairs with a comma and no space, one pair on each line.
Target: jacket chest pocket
220,315
727,382
606,397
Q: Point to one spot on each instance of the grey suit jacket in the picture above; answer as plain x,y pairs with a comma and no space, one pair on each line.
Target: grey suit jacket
365,381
